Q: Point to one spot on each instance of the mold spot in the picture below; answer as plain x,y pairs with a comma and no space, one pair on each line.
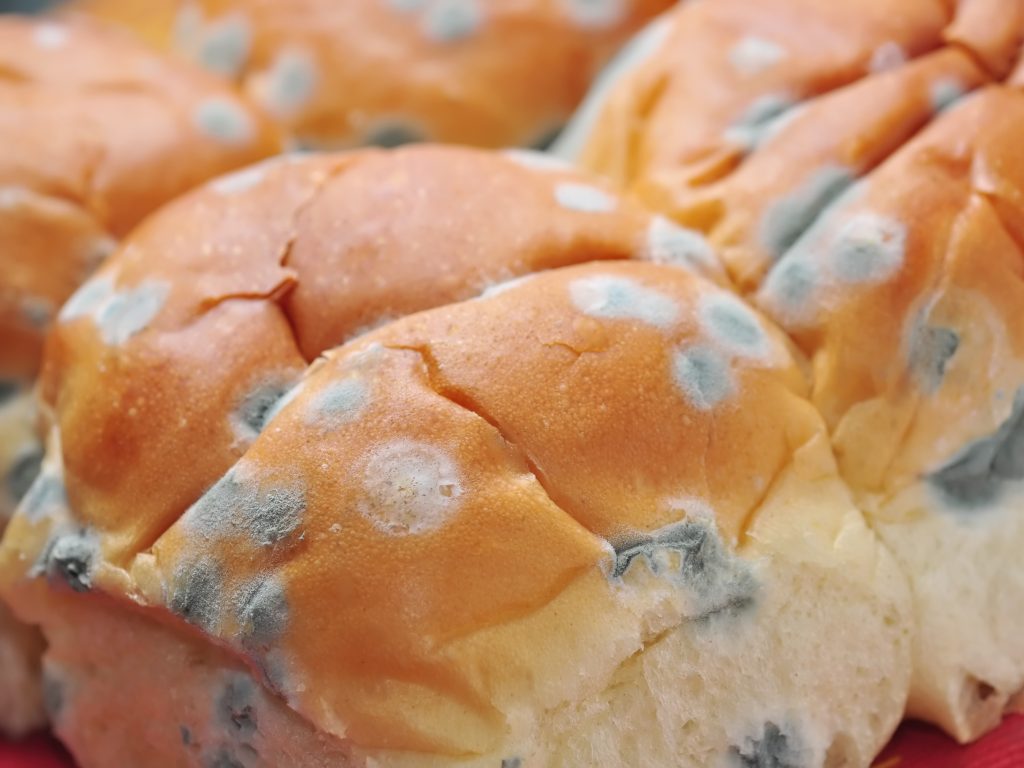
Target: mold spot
186,734
447,21
760,121
291,82
546,138
225,45
54,691
536,161
24,470
790,284
50,36
704,376
584,198
224,760
71,558
618,298
407,6
235,707
976,476
672,244
887,56
788,218
945,93
730,322
868,248
223,120
88,298
126,314
282,403
251,415
596,14
37,312
8,389
692,555
197,593
931,348
511,762
234,502
262,613
409,487
338,403
393,133
772,749
752,55
46,495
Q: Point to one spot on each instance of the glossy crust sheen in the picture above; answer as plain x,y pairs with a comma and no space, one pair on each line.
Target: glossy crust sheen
481,72
866,194
589,517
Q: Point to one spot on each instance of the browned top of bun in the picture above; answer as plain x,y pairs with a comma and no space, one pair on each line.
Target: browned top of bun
213,307
95,132
865,192
482,72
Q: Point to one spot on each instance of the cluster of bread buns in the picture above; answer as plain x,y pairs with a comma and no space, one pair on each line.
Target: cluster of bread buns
435,456
587,485
483,72
867,196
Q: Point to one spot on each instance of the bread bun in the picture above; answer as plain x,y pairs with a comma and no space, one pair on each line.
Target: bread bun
482,72
95,132
588,517
866,195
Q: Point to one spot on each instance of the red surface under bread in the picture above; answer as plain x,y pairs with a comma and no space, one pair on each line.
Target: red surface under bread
915,746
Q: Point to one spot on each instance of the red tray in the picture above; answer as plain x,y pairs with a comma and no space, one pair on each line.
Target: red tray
914,746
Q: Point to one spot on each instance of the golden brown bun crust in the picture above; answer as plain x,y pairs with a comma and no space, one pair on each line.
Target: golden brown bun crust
481,72
95,132
423,541
236,287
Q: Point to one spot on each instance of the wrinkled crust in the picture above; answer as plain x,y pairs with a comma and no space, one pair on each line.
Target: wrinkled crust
481,72
97,132
456,517
228,293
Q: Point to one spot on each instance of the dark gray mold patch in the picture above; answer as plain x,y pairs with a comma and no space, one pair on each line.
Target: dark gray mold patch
197,593
70,558
223,759
186,734
8,389
54,692
24,470
773,749
931,348
394,134
718,581
785,221
254,411
235,707
511,762
977,475
262,614
267,516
